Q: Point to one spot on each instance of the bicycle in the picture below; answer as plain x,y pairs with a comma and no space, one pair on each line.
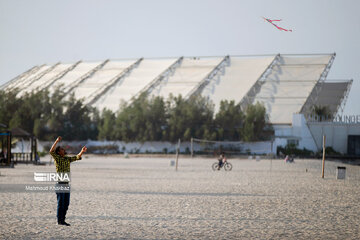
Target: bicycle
227,166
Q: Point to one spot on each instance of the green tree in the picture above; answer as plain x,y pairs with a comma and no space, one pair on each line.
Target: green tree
31,106
77,123
9,103
322,112
106,125
229,121
155,119
143,120
255,122
186,119
131,121
55,118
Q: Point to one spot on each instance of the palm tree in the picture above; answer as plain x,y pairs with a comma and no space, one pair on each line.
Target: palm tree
322,112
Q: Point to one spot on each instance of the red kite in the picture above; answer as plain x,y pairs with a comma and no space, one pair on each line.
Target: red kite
275,20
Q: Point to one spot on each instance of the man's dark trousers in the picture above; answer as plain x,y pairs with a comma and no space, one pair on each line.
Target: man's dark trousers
63,200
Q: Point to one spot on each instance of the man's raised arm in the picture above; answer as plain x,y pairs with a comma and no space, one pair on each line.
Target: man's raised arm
54,145
82,151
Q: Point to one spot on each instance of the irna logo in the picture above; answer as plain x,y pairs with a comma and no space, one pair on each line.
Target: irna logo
51,177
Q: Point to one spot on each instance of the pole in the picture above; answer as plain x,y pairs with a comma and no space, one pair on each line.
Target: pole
177,155
192,147
323,158
32,148
8,148
272,145
36,148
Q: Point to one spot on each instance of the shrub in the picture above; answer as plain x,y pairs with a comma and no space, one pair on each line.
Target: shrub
291,149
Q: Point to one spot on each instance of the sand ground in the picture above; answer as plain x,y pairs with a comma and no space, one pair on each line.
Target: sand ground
144,198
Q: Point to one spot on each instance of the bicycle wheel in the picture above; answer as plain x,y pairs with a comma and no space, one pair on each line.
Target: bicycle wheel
228,166
215,166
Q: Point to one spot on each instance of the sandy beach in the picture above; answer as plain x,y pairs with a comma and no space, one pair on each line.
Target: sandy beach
114,197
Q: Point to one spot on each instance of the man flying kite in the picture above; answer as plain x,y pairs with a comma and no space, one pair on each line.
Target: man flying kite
280,28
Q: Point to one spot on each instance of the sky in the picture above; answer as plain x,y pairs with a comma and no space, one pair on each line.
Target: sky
35,32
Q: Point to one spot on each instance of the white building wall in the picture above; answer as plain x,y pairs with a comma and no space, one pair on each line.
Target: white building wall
297,131
310,134
336,134
300,129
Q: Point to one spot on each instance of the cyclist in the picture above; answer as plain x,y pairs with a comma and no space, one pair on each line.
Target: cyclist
222,160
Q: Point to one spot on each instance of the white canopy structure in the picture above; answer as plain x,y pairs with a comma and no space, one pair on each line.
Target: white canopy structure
289,84
143,75
23,83
108,74
285,84
239,76
187,77
73,77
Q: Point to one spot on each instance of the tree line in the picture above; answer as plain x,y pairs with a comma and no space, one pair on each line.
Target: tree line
145,119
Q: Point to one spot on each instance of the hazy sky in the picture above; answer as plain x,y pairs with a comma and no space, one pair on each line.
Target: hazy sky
34,32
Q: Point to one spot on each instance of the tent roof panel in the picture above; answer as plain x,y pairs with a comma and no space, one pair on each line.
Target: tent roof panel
140,77
331,95
47,77
237,80
72,76
305,59
101,77
31,77
286,88
187,76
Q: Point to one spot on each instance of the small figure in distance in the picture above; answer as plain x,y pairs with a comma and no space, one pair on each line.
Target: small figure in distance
289,159
222,160
2,156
